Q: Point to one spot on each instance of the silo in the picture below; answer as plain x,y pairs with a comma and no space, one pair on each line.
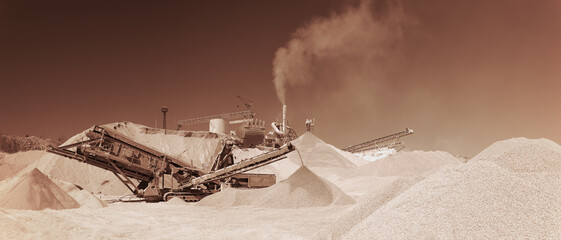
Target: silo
218,125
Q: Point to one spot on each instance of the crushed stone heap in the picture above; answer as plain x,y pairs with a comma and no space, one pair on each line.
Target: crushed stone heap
524,155
301,189
34,191
408,163
316,153
510,190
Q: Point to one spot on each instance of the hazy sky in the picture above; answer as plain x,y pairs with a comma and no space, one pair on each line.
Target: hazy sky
462,74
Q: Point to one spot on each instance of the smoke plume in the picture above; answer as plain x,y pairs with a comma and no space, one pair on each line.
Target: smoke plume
462,74
350,41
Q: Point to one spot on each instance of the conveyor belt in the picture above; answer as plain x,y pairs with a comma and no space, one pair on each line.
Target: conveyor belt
373,143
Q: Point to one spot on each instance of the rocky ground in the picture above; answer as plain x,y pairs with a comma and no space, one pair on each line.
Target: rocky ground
508,191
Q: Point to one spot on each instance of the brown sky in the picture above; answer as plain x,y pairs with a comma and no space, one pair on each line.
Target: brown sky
462,74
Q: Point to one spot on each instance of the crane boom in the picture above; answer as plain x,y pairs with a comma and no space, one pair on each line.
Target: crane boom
193,121
248,103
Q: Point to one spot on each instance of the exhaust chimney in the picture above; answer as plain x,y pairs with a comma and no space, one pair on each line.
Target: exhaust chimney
284,119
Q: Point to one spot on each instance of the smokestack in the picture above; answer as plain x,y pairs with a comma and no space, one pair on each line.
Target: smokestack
164,111
284,119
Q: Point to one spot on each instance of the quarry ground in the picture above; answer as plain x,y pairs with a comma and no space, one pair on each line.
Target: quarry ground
508,191
166,221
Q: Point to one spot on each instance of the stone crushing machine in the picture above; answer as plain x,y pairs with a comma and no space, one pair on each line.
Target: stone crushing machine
130,160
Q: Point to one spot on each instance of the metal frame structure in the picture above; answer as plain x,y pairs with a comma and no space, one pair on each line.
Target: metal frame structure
375,143
246,114
128,159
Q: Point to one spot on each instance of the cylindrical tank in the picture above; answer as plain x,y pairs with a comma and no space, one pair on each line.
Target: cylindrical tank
218,125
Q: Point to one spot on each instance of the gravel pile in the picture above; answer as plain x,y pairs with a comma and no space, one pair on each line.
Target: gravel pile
408,164
365,206
11,164
510,190
304,189
317,153
34,191
372,176
301,189
524,155
82,196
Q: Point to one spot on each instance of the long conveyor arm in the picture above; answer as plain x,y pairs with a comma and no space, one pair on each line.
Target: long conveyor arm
368,145
242,166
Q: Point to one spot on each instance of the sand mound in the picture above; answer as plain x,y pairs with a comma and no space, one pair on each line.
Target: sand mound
93,179
376,154
35,191
524,155
11,164
408,164
230,197
302,189
476,200
317,153
374,176
366,206
83,197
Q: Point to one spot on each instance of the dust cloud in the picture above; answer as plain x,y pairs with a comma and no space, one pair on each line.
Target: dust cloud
463,75
353,41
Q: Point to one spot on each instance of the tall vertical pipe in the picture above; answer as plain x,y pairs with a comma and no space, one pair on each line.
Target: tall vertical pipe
164,111
284,119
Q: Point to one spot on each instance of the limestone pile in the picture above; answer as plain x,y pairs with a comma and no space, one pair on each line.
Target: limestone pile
408,164
18,163
524,155
11,164
376,154
323,159
376,175
34,191
82,196
91,178
378,182
510,190
302,189
317,153
376,198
